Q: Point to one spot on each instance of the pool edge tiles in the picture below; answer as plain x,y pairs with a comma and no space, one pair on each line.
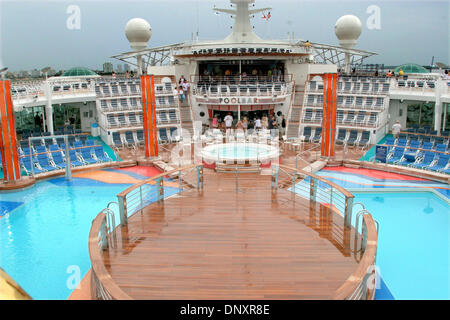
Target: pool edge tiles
371,179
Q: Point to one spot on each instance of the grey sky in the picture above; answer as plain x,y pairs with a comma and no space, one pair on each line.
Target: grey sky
34,33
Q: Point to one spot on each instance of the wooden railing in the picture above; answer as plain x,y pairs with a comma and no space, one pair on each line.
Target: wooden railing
361,284
103,287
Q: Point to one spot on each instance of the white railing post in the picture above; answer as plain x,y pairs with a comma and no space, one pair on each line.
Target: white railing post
348,212
122,210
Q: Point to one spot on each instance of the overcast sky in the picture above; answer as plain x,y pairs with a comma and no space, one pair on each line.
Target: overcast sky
34,34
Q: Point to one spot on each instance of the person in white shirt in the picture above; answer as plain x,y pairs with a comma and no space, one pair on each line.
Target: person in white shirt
228,122
185,86
258,124
181,93
396,128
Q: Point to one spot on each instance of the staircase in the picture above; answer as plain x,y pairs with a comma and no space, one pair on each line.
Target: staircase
186,117
293,124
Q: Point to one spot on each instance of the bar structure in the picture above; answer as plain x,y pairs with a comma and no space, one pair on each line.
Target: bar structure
149,116
8,144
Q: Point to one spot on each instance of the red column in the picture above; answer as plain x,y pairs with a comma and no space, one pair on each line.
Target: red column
8,144
149,115
329,114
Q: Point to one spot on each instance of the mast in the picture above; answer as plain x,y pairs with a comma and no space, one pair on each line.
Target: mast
242,29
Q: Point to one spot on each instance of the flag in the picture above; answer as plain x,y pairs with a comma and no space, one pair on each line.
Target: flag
268,16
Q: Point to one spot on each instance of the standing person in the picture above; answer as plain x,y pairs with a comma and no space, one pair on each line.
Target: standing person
37,120
181,81
245,124
396,128
240,125
265,122
215,122
181,93
185,86
258,124
271,122
72,120
283,125
228,122
127,74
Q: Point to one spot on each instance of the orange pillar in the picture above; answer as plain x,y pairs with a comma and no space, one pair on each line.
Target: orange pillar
330,81
8,144
149,115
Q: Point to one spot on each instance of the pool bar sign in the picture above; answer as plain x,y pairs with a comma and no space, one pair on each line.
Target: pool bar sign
381,153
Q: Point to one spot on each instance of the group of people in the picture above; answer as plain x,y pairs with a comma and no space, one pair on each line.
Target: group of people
274,73
244,124
182,90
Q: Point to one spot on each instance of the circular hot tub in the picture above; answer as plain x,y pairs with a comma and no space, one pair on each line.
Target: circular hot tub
239,152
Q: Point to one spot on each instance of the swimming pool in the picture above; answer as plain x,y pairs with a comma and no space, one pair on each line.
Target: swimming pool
239,152
413,245
45,230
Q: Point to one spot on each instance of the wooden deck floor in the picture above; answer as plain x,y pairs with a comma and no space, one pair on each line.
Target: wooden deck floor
219,244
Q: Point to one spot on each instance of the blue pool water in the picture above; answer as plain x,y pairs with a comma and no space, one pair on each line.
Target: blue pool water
239,151
45,231
413,245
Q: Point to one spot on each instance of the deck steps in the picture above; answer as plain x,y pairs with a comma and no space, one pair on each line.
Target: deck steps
241,168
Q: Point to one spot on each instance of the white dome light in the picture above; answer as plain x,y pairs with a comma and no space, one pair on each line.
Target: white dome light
348,28
138,33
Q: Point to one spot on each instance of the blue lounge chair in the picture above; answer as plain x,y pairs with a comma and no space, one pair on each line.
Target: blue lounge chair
40,149
162,133
424,161
87,156
117,141
77,144
307,133
340,140
396,156
352,138
441,162
409,157
364,141
140,136
26,164
129,139
401,142
89,143
58,159
317,135
427,145
441,147
414,144
45,163
101,155
74,159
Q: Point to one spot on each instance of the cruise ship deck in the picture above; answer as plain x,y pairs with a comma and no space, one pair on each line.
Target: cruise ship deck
217,243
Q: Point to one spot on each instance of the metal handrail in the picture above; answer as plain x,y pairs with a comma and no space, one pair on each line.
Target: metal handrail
137,189
103,287
301,153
